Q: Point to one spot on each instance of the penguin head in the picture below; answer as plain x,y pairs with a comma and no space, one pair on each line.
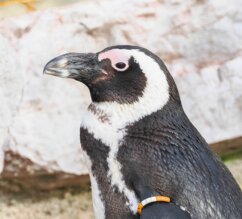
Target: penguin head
119,74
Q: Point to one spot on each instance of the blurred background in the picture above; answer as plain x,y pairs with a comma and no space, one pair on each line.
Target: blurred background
43,175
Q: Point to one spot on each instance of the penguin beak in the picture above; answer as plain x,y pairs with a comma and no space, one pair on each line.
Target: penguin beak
80,66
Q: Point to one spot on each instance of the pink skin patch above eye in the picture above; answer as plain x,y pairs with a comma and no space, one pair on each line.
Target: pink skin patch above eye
115,56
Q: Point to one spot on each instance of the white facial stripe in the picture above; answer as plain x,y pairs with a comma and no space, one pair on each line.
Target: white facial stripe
155,96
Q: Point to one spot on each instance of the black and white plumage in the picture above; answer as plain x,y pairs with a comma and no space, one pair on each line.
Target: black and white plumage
139,143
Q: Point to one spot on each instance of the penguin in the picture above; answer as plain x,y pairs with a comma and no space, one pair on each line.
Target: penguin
145,158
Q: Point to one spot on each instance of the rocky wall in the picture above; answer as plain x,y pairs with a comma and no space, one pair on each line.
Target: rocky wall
199,40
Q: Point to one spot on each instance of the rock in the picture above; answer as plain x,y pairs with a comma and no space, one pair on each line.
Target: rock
22,173
11,87
213,99
200,41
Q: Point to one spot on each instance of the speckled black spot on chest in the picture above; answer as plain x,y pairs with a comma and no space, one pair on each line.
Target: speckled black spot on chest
114,201
101,116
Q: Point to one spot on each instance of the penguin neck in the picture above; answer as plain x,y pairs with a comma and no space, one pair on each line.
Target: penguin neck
120,115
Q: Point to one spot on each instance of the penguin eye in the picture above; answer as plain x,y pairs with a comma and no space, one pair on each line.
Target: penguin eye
120,66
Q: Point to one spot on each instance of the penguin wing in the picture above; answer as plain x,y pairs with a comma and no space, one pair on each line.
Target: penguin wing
160,210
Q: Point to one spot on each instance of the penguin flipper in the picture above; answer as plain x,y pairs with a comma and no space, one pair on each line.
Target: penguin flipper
160,210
